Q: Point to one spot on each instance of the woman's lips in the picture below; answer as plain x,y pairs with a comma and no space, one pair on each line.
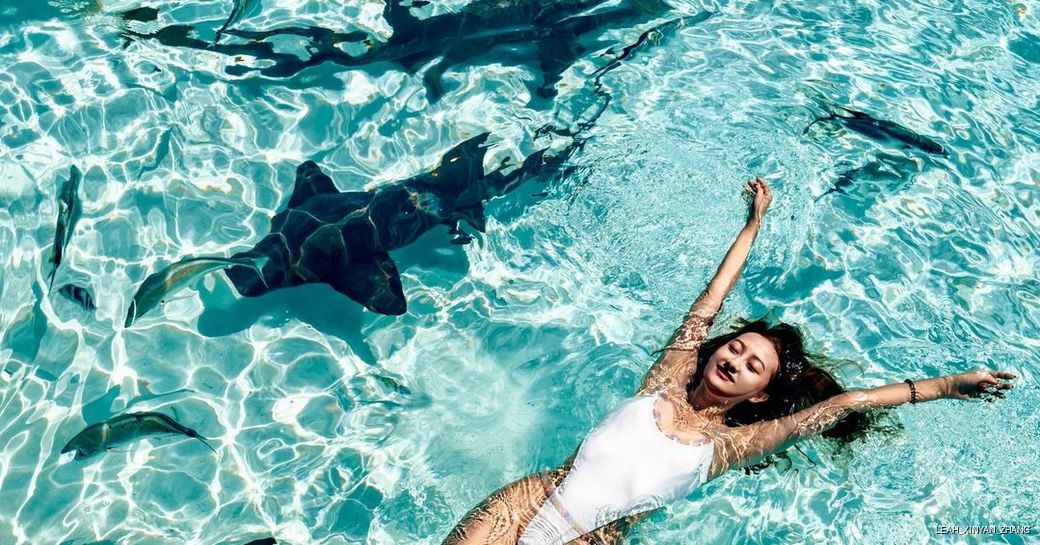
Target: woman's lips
723,375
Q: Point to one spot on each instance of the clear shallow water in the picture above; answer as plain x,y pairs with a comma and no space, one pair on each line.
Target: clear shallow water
335,425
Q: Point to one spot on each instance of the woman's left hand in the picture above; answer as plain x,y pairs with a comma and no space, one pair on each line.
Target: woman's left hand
762,198
981,383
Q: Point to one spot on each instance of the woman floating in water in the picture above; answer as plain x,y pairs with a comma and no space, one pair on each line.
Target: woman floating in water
703,408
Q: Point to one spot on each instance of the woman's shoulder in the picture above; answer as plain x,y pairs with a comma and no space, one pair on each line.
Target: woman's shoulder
663,387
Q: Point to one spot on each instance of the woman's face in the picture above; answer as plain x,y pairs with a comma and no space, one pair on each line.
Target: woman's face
742,367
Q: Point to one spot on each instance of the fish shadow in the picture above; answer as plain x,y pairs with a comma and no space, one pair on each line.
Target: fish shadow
318,305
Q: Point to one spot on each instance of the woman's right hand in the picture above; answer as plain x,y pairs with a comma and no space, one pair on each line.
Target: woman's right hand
762,198
979,383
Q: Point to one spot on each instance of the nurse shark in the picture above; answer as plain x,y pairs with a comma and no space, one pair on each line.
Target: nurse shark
550,35
343,238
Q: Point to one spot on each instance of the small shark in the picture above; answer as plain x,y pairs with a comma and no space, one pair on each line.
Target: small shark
549,34
883,131
125,428
69,211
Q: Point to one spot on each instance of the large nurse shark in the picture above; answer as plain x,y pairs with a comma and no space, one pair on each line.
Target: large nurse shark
550,35
343,238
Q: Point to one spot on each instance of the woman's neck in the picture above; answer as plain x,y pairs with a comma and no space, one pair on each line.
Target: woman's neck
708,405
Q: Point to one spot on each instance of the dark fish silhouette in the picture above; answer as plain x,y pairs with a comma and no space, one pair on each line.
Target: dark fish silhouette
343,239
142,15
69,211
124,429
263,541
544,33
883,131
159,285
884,168
79,295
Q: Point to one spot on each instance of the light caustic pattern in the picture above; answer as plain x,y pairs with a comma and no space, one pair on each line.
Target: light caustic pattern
335,425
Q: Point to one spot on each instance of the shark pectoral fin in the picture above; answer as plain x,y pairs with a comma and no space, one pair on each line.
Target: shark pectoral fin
375,283
399,17
310,181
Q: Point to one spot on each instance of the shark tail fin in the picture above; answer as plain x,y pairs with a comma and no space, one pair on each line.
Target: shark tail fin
310,181
205,442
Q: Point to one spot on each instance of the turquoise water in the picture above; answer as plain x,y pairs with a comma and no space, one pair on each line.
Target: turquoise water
335,425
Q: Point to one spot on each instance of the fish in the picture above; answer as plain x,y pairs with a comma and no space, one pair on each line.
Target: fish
549,35
263,541
883,131
79,295
69,211
238,9
158,286
125,428
141,15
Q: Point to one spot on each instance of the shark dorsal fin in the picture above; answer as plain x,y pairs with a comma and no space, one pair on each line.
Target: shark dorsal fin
464,162
399,17
310,181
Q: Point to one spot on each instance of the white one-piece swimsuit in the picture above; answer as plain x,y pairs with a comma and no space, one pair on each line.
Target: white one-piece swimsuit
625,465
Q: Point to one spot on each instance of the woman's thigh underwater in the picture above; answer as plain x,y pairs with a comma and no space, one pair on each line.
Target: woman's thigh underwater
502,517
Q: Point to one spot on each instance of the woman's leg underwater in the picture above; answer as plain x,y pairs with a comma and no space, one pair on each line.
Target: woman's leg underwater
500,519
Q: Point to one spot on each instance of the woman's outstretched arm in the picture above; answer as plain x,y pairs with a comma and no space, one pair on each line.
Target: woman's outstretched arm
749,444
674,367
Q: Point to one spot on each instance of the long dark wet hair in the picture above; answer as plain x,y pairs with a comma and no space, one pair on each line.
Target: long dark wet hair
802,380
